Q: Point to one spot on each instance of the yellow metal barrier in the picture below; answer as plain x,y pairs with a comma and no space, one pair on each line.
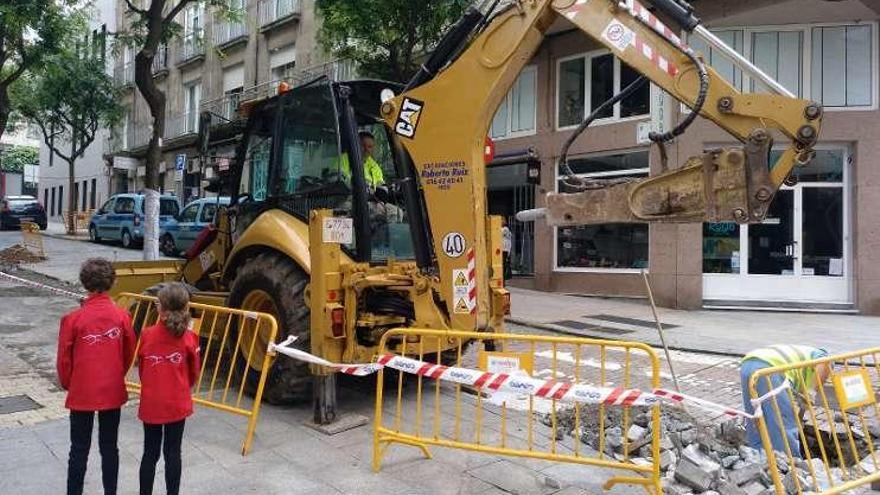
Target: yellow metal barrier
450,415
31,238
235,360
829,442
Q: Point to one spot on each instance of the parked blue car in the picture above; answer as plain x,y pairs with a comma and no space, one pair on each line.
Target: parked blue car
179,234
121,218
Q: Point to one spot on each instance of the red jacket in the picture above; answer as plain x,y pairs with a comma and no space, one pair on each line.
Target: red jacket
95,347
168,367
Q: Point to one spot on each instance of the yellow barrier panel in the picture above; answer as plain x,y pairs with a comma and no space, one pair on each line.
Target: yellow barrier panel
821,438
32,239
446,414
235,360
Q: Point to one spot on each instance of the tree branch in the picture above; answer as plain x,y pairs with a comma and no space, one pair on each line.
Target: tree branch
132,8
175,10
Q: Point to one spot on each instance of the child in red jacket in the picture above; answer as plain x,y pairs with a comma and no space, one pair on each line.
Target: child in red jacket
95,348
168,363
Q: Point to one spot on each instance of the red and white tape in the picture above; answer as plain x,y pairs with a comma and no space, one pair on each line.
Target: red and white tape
524,384
31,283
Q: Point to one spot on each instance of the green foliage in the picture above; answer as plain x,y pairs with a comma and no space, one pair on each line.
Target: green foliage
29,31
386,38
14,159
139,20
69,99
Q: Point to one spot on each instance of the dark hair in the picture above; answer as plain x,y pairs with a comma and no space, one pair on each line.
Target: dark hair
174,299
365,134
97,275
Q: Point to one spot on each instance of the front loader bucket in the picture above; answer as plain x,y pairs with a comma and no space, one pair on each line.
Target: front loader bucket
137,276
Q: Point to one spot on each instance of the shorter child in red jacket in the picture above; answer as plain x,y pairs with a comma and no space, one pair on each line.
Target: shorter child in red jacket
168,363
95,348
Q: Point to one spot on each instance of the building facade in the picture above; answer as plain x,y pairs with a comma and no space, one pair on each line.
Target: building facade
212,66
817,249
91,182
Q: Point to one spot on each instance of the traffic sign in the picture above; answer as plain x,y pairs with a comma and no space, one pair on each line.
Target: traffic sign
180,162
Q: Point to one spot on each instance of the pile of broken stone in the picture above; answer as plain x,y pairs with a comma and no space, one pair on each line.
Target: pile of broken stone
699,457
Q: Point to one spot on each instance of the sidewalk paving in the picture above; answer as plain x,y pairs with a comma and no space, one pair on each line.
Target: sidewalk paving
291,458
715,331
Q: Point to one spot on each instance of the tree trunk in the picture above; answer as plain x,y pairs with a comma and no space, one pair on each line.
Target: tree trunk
155,98
71,197
4,116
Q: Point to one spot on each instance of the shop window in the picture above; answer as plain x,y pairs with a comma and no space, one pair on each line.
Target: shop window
585,82
516,114
841,66
780,55
620,246
719,62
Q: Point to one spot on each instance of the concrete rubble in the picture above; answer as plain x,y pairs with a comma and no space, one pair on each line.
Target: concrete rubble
17,253
696,458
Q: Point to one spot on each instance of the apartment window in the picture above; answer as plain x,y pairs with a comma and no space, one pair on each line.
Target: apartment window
193,19
52,205
612,246
587,81
93,197
719,62
842,66
516,113
84,205
233,85
75,197
192,94
780,55
282,61
60,200
46,197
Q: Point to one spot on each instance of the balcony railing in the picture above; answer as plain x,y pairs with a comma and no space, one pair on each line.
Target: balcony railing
336,70
226,32
160,61
191,46
124,75
181,124
275,10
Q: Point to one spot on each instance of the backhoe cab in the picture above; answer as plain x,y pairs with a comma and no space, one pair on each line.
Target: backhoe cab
339,258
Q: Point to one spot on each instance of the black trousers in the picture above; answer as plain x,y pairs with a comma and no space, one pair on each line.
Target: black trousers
81,424
154,435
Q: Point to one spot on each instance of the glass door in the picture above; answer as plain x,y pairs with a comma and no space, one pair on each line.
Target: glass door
799,253
771,243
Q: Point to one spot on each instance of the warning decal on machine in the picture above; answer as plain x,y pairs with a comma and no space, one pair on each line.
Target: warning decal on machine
460,291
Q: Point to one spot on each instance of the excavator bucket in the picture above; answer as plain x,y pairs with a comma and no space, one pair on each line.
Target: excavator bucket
137,276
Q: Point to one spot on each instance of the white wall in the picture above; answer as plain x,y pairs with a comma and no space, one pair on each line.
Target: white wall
54,170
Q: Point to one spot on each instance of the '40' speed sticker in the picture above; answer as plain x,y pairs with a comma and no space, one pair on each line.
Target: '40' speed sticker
454,244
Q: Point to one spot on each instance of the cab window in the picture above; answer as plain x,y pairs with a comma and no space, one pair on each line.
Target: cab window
308,173
208,211
255,173
124,205
189,213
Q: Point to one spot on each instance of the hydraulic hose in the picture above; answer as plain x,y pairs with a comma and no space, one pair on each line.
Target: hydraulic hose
698,103
578,182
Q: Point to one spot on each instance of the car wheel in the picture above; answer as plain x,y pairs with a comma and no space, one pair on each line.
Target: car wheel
93,234
167,246
43,226
126,239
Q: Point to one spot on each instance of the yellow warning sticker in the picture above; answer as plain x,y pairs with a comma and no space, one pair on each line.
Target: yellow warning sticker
460,279
461,306
853,389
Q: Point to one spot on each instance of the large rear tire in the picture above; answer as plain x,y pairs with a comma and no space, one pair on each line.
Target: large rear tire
272,283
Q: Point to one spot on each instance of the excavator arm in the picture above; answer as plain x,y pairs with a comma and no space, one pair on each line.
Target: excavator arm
441,118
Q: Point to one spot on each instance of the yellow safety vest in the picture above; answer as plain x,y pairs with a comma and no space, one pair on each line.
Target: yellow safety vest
783,354
372,171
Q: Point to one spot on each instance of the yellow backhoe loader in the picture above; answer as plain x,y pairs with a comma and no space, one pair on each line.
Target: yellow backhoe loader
339,256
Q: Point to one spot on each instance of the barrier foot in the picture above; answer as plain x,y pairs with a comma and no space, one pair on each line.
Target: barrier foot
324,399
630,480
386,442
